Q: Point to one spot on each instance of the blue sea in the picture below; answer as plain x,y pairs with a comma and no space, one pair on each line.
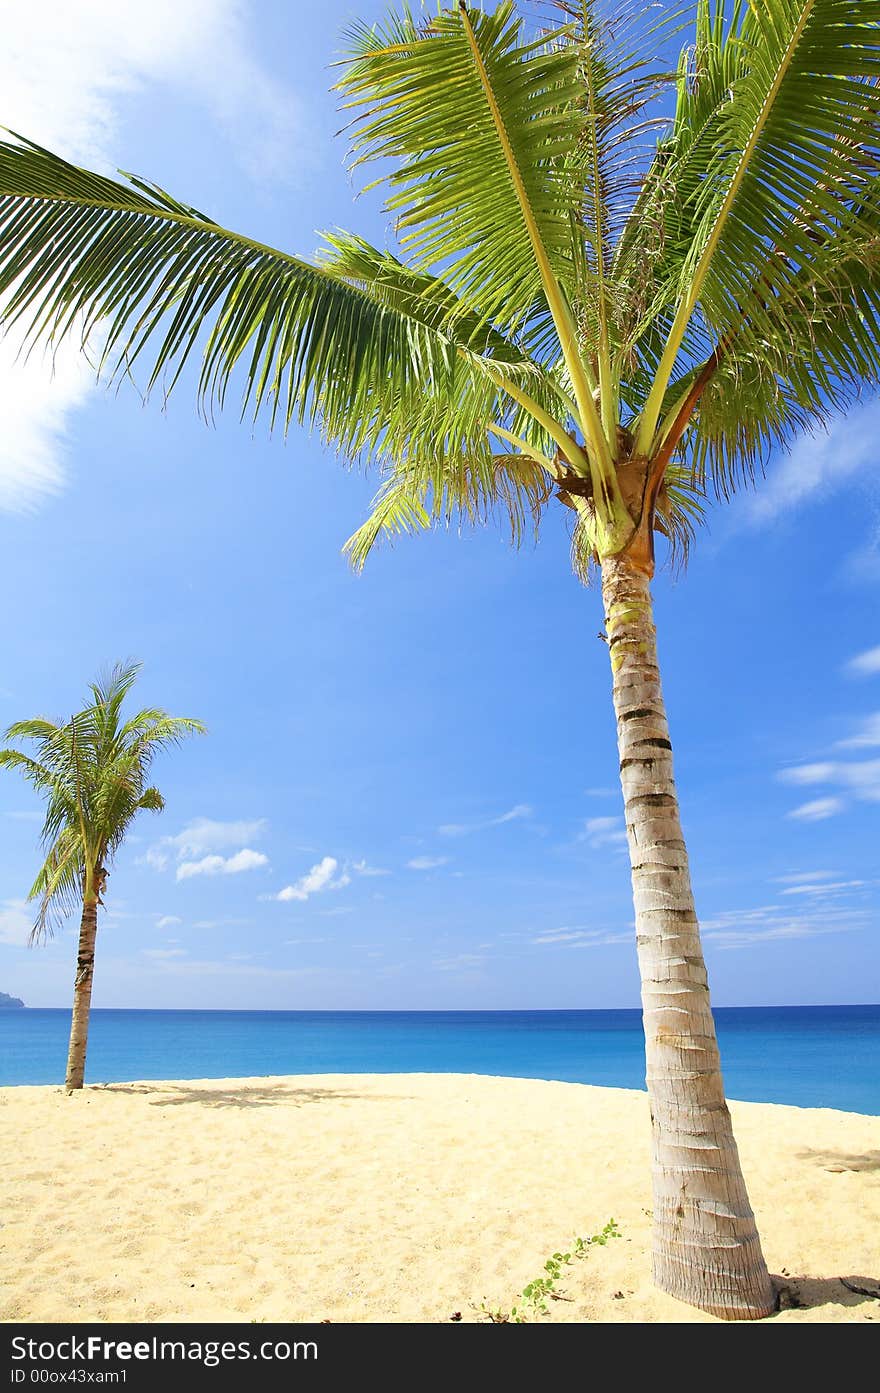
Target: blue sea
810,1056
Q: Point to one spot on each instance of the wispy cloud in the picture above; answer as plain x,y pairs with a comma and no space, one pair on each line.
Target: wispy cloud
460,962
858,779
829,887
583,938
560,935
463,829
163,954
427,863
604,831
818,773
16,922
818,464
232,967
817,810
168,921
244,860
801,877
362,868
865,664
37,395
743,928
197,848
65,74
867,737
204,835
322,876
28,815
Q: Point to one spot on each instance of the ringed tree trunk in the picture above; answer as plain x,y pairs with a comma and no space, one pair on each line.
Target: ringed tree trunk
82,995
706,1248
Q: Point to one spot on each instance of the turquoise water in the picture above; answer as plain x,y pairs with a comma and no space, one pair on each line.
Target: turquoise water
811,1056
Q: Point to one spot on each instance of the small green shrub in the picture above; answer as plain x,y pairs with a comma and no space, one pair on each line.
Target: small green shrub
536,1294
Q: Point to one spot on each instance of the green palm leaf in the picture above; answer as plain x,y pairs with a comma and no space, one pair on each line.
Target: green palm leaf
780,167
562,308
92,772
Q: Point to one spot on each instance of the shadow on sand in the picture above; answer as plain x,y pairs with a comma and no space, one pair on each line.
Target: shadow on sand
252,1096
842,1161
804,1293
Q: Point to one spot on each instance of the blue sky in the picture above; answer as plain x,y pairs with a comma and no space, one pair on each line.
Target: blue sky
408,795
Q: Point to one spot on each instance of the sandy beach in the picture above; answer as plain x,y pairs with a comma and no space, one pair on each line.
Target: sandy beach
393,1198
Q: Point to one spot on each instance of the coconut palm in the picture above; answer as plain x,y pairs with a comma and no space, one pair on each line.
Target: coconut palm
611,290
92,772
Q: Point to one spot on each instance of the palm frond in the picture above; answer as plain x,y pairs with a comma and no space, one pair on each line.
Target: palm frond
514,488
396,510
419,102
59,884
77,250
91,771
565,306
151,801
783,167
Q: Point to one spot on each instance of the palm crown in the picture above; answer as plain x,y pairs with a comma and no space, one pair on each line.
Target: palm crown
92,772
572,311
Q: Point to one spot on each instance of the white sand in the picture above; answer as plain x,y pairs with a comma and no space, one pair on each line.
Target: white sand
392,1197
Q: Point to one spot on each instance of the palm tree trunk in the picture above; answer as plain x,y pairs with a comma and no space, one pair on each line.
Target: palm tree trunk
706,1246
82,995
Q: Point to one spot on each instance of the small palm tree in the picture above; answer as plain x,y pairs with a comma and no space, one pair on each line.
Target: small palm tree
92,772
591,308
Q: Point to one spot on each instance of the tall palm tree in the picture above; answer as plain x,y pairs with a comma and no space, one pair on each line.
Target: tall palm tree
92,772
600,298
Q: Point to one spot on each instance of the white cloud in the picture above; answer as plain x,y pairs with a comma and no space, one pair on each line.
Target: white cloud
773,923
197,848
831,887
462,829
66,69
168,921
322,876
862,566
244,860
818,809
800,877
560,935
808,774
461,962
604,831
16,922
861,779
867,738
865,664
583,938
819,463
362,868
204,835
427,863
230,967
35,401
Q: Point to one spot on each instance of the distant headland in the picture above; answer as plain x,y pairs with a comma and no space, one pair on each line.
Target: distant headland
10,1003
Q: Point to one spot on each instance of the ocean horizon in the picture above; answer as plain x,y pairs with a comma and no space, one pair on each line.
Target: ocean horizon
806,1056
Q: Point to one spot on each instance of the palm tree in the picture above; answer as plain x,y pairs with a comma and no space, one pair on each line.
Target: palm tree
92,772
613,289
